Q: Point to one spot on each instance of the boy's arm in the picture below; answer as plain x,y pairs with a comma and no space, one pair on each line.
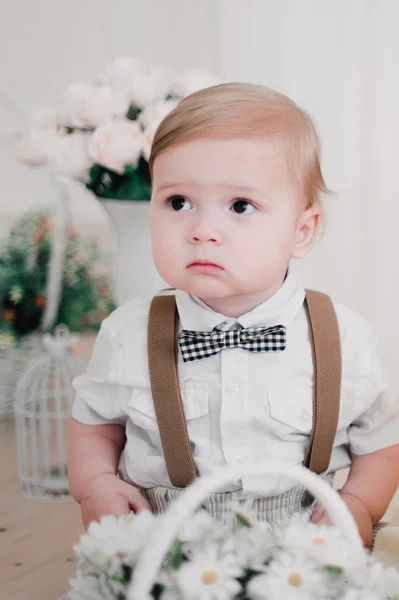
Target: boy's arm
93,457
93,450
373,479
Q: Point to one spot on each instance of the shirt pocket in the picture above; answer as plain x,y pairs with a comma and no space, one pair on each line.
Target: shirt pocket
290,414
195,398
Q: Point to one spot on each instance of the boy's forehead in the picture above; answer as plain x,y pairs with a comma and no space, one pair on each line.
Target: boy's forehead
213,158
267,145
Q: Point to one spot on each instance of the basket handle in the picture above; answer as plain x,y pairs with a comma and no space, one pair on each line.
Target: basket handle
160,541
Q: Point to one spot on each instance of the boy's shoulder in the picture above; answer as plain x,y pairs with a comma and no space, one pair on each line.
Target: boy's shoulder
352,326
129,318
360,347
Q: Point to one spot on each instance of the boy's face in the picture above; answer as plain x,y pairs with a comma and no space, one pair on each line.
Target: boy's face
226,218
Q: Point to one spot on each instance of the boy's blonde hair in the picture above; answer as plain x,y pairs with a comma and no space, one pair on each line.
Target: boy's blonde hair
232,110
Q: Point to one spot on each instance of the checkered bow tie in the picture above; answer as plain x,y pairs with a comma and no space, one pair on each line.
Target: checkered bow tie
195,345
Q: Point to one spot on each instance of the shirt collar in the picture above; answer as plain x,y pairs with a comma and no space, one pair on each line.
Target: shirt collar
279,309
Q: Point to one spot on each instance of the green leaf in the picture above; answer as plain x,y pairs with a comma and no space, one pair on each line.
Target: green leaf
175,556
157,591
133,113
334,572
126,573
242,520
244,580
133,184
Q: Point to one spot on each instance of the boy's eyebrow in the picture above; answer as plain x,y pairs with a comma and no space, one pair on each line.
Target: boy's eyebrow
223,184
165,186
242,188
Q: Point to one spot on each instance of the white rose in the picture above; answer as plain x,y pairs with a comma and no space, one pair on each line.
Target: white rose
47,118
35,144
117,144
121,72
192,81
34,147
150,86
156,112
148,138
93,105
78,96
69,156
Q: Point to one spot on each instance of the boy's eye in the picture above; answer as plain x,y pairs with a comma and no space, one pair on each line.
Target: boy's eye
178,203
241,207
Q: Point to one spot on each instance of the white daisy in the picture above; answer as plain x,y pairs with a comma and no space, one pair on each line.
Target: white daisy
198,528
289,578
210,575
254,546
114,539
382,581
322,543
355,594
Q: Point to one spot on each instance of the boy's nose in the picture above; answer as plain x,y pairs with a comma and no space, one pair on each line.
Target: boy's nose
203,233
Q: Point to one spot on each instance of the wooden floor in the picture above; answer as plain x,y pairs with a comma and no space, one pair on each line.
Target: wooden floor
36,539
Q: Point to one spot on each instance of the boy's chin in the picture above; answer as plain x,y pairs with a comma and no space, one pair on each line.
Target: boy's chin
206,289
202,286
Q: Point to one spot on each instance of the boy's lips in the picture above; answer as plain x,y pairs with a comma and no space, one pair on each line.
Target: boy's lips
204,264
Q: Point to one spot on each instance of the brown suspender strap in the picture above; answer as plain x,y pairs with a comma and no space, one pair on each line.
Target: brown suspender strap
162,357
162,360
326,352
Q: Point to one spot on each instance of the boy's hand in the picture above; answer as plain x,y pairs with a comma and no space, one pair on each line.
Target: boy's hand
359,512
108,495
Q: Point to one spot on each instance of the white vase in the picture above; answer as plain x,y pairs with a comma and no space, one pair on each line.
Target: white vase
135,272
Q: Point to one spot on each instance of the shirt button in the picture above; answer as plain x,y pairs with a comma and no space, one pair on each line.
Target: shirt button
238,460
305,416
233,389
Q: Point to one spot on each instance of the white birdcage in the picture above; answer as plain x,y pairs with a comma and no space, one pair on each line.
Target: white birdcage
13,360
43,406
8,378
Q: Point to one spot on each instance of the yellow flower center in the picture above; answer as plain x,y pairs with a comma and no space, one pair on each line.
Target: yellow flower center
210,577
319,541
295,579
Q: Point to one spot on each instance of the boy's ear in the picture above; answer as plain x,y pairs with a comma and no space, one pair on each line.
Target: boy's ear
306,232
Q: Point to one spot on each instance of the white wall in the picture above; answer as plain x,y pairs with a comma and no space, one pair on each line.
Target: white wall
47,44
339,60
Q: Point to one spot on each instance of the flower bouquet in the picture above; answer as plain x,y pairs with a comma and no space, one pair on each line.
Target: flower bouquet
186,556
85,297
101,133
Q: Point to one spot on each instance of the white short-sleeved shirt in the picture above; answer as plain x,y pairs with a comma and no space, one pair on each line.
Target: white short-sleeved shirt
240,406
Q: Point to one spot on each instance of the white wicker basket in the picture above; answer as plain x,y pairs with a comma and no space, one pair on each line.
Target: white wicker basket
158,544
13,361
